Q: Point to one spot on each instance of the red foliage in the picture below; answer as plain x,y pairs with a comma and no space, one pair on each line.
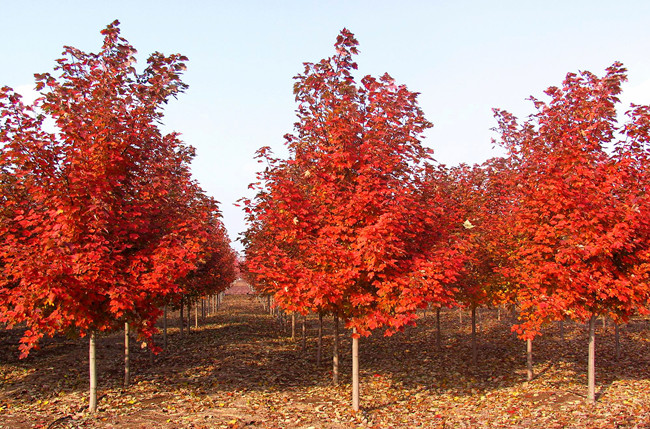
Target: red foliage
479,199
580,222
342,225
95,222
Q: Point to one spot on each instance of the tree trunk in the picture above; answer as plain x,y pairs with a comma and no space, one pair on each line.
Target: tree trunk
529,360
319,351
617,339
591,366
165,326
355,370
474,346
335,354
562,329
438,332
293,326
151,350
460,317
304,333
92,364
189,317
196,315
127,357
182,318
499,313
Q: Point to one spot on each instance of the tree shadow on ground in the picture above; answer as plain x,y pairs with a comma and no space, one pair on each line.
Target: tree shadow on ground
244,349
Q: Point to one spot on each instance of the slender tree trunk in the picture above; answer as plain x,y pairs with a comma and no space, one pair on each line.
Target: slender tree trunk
460,317
499,313
438,332
151,350
591,367
189,317
474,346
196,315
604,323
165,326
127,356
293,326
355,370
319,351
529,360
562,329
617,339
304,333
92,364
335,354
182,318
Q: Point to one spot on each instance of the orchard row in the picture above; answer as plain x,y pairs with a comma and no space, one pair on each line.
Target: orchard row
101,224
359,222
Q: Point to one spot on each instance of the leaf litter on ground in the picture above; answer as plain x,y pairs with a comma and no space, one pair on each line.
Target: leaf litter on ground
240,368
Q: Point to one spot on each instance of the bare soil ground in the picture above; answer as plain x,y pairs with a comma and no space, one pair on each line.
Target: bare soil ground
241,369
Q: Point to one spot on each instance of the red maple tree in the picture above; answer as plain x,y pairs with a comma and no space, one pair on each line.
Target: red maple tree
579,222
92,224
342,224
479,199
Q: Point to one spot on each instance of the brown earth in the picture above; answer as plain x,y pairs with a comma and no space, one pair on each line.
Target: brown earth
240,369
239,287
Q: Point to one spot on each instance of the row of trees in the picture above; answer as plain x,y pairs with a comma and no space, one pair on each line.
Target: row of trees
361,223
101,223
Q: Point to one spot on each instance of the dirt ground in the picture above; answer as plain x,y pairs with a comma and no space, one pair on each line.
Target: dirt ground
240,369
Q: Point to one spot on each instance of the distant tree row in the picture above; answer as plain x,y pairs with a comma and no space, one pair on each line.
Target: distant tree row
359,222
101,223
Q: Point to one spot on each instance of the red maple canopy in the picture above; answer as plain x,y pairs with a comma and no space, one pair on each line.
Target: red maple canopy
579,224
95,220
341,225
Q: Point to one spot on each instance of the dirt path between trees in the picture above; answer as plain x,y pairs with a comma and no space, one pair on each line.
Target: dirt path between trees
240,369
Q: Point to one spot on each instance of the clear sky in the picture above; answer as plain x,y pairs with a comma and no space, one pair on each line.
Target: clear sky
464,57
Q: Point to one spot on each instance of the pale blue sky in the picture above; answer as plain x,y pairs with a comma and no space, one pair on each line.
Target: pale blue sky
464,57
